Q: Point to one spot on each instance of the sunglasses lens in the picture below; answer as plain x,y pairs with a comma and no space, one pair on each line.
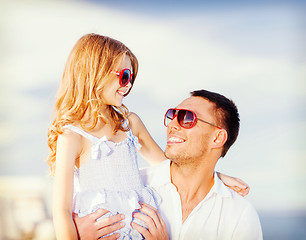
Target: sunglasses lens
186,118
169,116
125,77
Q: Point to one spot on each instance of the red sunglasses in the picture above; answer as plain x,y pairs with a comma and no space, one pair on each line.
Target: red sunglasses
185,118
125,76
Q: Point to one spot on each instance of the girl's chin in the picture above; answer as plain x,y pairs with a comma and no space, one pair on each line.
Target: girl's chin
118,104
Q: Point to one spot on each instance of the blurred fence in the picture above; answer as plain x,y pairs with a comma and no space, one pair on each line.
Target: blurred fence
25,208
25,213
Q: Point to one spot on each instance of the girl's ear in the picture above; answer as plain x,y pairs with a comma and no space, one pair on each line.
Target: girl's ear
220,138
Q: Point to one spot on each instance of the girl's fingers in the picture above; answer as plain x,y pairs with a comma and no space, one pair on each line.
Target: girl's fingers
244,192
241,184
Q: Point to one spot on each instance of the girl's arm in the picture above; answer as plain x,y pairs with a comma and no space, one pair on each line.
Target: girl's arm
234,183
68,149
150,151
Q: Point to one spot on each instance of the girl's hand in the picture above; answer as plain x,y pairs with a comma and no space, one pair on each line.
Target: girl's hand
236,184
90,229
157,229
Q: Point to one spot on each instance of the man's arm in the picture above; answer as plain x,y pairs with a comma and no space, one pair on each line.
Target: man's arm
90,229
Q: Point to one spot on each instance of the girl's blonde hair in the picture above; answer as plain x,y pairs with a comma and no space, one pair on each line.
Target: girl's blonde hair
86,73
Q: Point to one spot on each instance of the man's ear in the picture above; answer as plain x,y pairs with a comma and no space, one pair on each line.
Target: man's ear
220,138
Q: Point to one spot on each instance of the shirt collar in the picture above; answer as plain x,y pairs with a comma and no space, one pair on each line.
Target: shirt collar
161,176
219,188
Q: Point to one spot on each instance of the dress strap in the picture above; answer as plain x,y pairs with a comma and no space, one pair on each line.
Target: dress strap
134,139
81,132
126,123
99,147
131,136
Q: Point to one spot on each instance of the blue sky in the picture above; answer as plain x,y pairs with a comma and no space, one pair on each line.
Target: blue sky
254,54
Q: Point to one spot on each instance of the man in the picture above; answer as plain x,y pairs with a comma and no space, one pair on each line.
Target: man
195,203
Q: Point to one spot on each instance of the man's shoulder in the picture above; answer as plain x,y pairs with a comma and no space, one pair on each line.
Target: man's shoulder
233,200
248,223
239,214
240,204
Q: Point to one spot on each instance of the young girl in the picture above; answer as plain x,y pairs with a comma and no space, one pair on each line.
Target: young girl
93,138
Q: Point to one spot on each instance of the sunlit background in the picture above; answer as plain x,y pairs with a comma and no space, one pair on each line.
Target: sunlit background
253,53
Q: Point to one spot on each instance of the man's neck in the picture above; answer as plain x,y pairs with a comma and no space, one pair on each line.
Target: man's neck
193,183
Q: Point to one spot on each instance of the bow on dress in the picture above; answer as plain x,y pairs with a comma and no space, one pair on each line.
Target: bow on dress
100,148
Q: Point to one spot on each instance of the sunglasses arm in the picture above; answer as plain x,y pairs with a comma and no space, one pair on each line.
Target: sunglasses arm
208,123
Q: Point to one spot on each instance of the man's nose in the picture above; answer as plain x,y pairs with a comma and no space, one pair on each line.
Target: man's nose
174,123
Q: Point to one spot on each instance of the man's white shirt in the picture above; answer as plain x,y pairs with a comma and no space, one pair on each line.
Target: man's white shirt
222,214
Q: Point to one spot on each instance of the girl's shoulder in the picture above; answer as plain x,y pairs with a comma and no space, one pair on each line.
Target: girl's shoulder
135,123
69,145
70,134
71,140
133,118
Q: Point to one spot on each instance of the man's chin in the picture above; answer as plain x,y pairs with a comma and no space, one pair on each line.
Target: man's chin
171,154
167,152
167,155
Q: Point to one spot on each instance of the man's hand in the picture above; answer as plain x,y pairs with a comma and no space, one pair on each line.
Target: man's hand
157,229
90,229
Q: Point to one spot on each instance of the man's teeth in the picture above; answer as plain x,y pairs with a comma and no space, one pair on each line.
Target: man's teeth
175,139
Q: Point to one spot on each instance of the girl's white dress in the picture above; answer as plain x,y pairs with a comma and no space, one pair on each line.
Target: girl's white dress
110,179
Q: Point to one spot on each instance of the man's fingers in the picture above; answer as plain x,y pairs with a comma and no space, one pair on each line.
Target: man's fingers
156,226
110,229
97,214
112,237
145,233
152,212
109,220
147,205
148,220
89,228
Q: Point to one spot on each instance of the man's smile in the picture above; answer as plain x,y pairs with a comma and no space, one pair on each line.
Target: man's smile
175,140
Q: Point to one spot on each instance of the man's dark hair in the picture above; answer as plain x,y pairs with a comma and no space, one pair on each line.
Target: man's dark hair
227,115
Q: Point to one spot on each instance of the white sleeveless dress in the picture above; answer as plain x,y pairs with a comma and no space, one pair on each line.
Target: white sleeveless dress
110,179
